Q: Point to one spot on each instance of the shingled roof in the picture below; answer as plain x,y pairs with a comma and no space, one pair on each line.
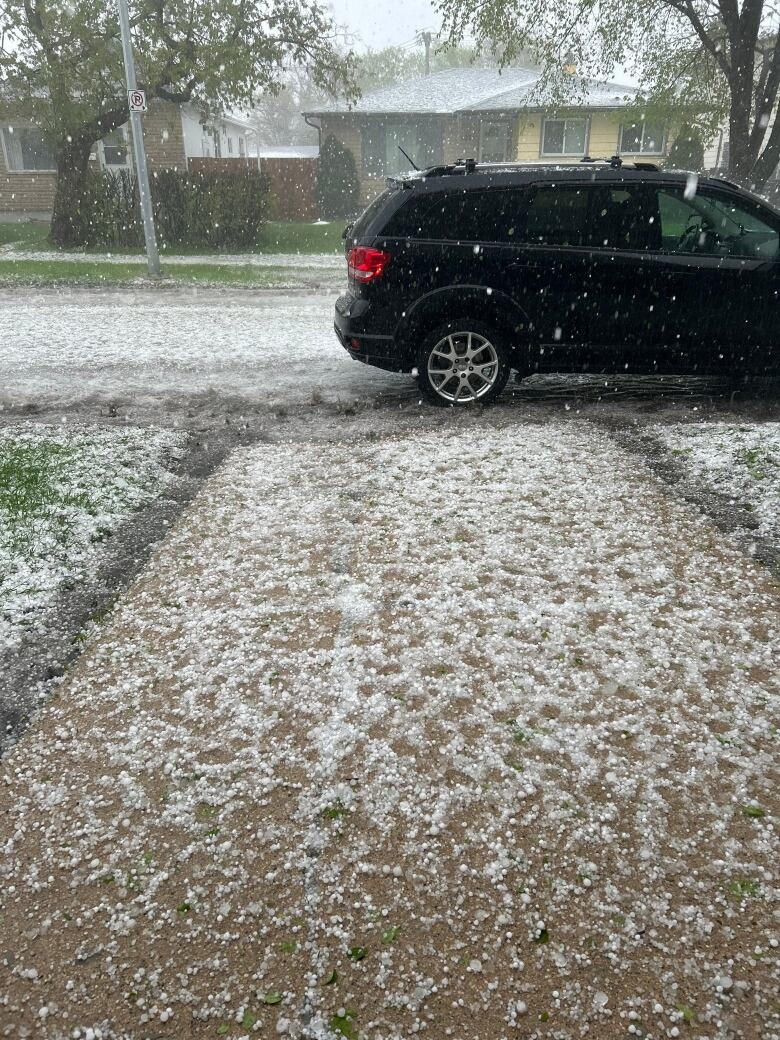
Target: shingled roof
478,90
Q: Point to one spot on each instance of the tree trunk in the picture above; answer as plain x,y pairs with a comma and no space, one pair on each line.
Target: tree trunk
741,157
67,228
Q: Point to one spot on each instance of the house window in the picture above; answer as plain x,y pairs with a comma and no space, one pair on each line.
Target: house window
564,136
494,141
242,146
230,145
26,150
642,138
381,145
115,148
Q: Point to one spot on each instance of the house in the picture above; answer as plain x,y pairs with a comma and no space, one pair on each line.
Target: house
173,135
227,136
492,115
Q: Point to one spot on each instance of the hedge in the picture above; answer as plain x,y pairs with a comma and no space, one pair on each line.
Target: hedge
196,210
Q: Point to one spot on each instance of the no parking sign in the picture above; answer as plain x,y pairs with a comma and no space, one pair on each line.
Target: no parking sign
136,100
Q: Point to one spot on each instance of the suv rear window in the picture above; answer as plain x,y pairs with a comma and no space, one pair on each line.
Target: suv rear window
371,210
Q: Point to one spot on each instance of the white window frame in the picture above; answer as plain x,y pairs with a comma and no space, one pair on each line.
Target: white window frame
21,126
128,165
507,125
565,119
641,151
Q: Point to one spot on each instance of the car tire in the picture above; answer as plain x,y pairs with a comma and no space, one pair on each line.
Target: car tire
463,362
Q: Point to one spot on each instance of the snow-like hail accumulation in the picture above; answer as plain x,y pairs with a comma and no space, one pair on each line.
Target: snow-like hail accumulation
466,734
67,490
317,261
66,349
738,460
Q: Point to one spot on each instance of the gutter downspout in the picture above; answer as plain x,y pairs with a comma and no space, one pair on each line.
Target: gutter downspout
318,128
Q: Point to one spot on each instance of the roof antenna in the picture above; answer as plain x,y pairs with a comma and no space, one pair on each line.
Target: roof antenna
403,153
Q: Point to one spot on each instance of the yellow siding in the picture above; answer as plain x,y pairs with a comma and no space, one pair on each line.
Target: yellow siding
604,134
603,139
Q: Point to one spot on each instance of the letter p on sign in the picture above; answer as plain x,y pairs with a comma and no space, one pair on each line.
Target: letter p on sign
137,100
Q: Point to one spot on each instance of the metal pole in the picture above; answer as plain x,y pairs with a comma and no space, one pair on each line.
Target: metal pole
139,152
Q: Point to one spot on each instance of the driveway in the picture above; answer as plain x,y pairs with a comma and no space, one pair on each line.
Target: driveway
461,734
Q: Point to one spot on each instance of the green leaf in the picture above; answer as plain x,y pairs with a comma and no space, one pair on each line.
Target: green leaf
391,934
542,938
183,908
272,998
223,1030
288,946
344,1025
332,978
753,812
248,1020
357,953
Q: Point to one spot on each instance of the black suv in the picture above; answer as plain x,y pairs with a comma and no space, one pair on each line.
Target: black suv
461,273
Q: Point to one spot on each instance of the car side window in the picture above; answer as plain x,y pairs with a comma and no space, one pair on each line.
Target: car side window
492,215
713,224
623,216
556,216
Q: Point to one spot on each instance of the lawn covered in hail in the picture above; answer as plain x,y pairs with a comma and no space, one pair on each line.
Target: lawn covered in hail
738,460
63,491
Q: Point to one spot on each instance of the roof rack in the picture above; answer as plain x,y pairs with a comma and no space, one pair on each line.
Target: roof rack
470,165
617,163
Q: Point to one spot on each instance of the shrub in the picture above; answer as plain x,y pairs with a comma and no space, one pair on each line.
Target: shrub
338,189
193,210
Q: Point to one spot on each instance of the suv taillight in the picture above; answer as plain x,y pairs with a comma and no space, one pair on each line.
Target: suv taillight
366,265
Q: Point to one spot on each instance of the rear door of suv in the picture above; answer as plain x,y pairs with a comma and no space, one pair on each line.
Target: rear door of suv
477,236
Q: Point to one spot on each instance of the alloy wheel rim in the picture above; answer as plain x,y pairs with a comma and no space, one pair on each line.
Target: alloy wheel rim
463,367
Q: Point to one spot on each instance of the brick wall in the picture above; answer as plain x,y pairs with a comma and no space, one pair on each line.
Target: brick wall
164,137
26,192
34,192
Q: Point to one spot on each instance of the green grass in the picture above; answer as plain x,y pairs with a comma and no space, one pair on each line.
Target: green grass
25,236
85,272
277,237
302,238
31,490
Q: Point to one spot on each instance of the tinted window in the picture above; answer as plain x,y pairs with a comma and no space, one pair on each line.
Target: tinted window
368,214
460,216
556,216
623,217
713,224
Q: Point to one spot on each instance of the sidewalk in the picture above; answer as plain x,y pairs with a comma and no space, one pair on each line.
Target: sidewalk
467,734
